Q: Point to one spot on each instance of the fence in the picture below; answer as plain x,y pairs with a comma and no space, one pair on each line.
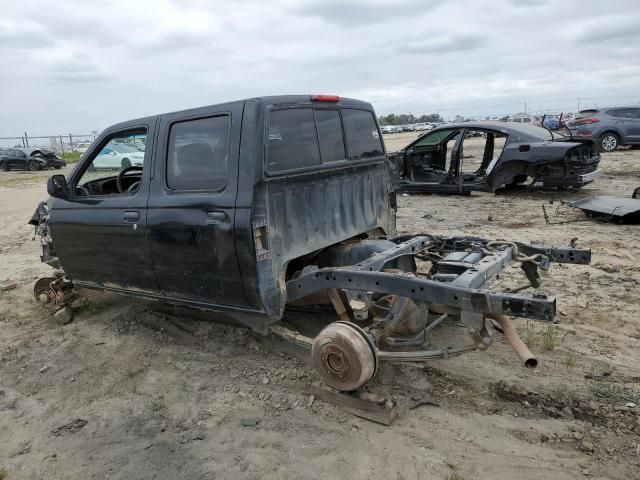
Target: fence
57,143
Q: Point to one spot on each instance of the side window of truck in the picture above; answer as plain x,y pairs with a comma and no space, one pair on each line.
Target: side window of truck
197,157
293,141
363,139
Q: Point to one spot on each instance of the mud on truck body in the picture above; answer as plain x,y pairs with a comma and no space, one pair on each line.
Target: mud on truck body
246,207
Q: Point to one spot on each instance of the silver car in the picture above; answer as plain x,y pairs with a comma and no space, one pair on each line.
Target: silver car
610,128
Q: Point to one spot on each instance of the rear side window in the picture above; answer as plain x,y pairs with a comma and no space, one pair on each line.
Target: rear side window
198,152
293,142
330,135
363,140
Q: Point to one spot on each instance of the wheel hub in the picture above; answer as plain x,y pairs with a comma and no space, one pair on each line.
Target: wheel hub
344,356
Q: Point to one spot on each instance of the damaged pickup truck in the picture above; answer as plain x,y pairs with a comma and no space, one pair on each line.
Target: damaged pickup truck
485,156
247,207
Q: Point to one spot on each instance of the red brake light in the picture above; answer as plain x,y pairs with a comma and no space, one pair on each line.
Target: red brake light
325,98
586,121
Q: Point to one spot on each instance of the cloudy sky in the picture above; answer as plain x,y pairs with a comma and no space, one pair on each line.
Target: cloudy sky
76,66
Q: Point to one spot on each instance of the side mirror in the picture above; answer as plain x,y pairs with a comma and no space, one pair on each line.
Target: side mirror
57,186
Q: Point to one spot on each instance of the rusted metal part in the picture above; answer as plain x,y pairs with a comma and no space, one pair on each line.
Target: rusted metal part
291,336
362,404
515,341
344,356
338,304
53,291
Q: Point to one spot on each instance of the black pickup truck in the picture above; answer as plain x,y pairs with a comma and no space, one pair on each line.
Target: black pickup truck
245,207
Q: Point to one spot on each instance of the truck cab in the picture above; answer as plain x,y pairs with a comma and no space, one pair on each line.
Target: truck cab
227,196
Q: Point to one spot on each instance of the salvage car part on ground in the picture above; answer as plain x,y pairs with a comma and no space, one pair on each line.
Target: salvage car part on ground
247,207
607,207
446,160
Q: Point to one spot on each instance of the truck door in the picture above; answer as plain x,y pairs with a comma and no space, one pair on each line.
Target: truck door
192,206
99,230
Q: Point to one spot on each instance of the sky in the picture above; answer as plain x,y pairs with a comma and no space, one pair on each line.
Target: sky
78,66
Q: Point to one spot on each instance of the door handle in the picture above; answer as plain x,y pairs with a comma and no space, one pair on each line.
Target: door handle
131,216
216,216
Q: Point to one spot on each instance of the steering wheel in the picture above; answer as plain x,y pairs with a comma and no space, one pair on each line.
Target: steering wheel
121,175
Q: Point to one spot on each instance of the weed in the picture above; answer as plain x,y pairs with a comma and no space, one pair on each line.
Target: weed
612,391
71,157
158,407
3,474
530,335
91,306
455,476
570,360
561,393
550,338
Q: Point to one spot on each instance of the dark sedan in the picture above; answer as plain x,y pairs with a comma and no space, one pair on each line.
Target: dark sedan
29,159
485,156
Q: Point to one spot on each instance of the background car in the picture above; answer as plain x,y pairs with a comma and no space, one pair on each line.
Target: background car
610,128
82,147
117,156
29,159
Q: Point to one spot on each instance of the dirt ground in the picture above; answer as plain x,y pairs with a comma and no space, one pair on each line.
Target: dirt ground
129,391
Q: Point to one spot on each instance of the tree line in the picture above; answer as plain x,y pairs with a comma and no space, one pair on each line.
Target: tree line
408,118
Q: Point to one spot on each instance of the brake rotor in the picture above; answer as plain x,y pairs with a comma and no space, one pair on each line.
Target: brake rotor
43,292
344,356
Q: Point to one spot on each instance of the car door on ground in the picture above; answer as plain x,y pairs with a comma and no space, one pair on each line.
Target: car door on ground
192,207
100,229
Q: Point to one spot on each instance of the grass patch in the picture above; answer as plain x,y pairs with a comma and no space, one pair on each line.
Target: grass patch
3,474
455,476
22,180
570,360
530,335
71,157
550,338
612,391
158,407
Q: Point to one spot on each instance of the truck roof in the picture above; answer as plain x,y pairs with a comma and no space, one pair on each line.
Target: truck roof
266,100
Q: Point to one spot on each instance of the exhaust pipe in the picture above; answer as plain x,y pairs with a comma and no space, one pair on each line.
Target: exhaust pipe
514,340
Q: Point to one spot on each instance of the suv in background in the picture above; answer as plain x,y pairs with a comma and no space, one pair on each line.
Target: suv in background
610,128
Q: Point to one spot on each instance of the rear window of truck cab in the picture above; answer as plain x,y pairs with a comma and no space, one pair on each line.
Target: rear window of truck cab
306,137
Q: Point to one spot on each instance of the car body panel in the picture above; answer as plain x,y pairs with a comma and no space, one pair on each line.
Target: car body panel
606,206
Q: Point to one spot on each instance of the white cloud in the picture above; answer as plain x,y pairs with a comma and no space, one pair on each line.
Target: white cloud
82,65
